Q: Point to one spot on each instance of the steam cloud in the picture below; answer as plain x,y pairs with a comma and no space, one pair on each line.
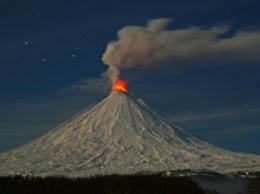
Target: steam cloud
154,45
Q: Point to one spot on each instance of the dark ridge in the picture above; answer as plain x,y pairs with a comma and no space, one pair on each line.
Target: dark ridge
112,184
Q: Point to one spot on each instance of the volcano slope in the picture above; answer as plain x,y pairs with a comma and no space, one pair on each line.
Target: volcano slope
120,135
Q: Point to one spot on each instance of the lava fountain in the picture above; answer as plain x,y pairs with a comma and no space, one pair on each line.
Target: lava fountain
120,85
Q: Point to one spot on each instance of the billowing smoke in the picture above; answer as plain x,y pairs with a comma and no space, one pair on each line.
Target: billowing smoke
154,45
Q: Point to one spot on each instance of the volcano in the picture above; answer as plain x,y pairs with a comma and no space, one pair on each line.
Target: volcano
120,135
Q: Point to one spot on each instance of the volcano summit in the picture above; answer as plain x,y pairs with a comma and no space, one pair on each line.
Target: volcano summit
120,135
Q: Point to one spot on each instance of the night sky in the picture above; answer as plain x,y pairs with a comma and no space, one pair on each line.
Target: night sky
51,66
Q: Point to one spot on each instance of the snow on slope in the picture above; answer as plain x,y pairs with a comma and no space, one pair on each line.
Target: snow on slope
122,135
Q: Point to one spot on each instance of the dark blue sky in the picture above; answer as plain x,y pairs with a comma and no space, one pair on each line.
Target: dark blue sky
50,60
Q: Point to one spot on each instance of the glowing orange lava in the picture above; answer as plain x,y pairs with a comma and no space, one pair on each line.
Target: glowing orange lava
120,85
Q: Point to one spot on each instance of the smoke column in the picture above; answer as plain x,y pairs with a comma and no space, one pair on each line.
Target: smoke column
154,45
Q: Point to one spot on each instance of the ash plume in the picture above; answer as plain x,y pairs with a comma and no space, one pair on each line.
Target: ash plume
154,45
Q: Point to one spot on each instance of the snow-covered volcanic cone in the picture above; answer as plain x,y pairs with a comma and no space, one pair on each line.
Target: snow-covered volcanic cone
121,135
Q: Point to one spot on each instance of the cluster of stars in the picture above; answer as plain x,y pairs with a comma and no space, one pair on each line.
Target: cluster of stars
43,59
